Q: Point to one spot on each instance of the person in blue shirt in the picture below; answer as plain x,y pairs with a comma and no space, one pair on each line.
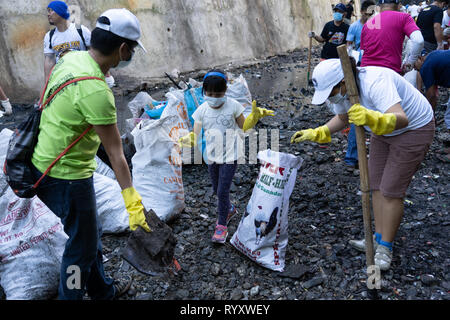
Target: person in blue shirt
354,32
434,70
354,40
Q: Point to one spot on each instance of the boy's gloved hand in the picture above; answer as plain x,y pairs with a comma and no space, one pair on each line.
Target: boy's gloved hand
378,122
320,135
188,141
133,203
255,116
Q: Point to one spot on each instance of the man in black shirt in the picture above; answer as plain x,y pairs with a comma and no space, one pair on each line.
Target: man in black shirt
429,21
333,34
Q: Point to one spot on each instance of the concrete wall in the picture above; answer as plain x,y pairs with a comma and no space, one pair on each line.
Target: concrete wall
184,34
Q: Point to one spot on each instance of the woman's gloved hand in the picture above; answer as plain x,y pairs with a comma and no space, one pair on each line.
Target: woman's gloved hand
378,122
133,203
320,135
188,141
255,116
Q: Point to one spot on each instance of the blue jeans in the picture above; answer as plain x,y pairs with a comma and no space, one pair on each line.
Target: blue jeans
73,201
221,177
351,157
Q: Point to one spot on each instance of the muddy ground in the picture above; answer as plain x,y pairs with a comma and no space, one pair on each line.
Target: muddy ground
325,213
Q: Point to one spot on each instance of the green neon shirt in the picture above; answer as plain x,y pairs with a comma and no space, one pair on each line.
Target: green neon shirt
68,115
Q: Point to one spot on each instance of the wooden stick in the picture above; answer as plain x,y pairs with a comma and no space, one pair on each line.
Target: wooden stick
309,54
352,91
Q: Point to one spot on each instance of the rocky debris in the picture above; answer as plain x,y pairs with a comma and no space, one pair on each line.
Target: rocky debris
325,213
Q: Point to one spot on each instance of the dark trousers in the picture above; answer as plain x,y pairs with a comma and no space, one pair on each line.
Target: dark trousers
351,157
73,201
221,177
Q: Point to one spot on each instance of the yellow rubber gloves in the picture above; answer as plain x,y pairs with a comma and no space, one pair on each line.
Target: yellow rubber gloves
133,203
321,135
188,141
378,122
255,116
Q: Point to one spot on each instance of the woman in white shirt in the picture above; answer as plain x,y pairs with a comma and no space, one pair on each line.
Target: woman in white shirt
402,125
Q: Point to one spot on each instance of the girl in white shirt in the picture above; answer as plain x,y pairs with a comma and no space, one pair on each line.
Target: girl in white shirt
222,119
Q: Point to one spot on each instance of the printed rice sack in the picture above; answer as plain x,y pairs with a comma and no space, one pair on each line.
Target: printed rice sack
262,234
157,171
32,242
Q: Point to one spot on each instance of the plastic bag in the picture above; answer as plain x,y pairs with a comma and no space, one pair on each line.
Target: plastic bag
138,105
262,234
32,242
238,90
411,77
157,171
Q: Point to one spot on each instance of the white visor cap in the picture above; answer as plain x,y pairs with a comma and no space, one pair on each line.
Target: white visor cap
325,76
123,24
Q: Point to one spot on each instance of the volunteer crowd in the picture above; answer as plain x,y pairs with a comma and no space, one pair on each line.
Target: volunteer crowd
400,59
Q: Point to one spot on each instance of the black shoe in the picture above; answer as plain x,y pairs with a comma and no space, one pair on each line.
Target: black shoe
122,286
351,167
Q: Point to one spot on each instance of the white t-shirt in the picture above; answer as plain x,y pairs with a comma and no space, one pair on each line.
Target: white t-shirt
69,39
381,88
413,10
445,20
222,134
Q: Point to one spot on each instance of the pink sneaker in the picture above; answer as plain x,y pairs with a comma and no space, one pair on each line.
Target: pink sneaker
220,234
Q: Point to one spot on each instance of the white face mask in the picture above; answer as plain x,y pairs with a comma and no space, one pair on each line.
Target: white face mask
215,102
338,98
123,64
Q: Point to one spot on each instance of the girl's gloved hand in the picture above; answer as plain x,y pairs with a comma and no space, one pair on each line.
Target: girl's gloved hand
188,141
378,122
133,203
320,135
255,116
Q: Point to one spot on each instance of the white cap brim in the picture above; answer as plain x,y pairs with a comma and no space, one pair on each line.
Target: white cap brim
142,46
320,96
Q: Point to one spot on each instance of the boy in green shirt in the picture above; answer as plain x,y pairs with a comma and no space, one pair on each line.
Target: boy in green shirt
68,188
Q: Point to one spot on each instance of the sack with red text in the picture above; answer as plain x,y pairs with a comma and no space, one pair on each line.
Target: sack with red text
32,243
262,234
157,171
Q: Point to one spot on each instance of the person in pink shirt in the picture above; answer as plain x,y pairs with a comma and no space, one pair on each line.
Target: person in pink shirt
383,35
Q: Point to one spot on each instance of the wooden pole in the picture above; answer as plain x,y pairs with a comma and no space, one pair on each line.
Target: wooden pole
352,91
309,54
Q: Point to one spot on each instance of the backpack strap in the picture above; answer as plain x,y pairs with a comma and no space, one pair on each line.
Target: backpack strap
80,32
63,86
52,32
61,155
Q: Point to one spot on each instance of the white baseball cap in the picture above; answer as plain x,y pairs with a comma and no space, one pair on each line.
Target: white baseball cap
325,76
123,24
